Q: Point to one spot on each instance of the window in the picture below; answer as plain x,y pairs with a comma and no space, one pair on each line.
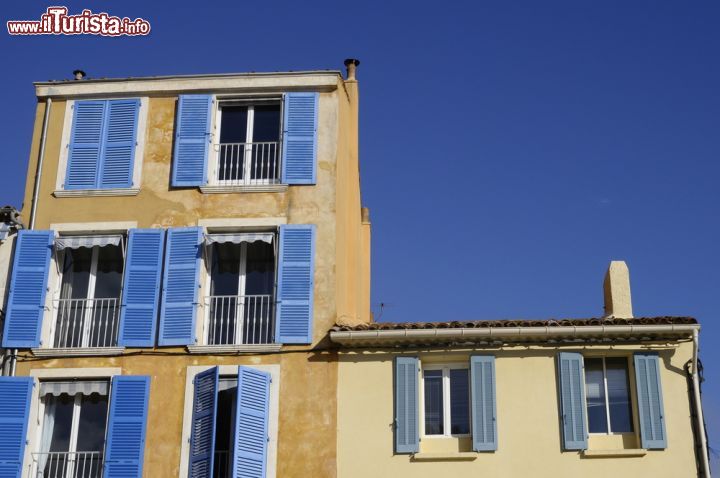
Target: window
240,307
88,306
607,393
73,430
102,145
446,401
248,147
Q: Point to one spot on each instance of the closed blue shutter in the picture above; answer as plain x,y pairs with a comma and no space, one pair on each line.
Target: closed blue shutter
295,284
251,423
192,140
28,283
15,394
482,394
202,435
118,153
85,145
650,401
300,138
180,286
407,435
126,427
141,287
572,400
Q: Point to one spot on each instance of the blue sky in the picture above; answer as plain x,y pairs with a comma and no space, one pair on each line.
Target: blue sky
509,150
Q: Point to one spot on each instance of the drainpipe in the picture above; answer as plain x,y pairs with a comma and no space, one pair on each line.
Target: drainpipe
704,459
36,192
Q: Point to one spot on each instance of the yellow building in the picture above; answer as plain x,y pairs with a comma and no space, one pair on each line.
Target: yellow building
191,241
613,396
190,299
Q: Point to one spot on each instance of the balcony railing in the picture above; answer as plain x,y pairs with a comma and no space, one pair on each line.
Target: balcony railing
248,164
81,464
83,323
221,465
240,319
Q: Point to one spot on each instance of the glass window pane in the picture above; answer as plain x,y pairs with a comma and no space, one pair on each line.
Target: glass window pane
91,428
233,124
266,126
109,272
76,273
434,423
619,395
58,421
260,273
595,396
224,420
459,402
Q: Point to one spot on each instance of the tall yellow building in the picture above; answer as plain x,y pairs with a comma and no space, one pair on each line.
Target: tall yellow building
190,299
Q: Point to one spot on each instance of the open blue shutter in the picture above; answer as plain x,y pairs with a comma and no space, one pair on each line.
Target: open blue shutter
180,286
141,287
572,400
15,394
251,423
295,284
202,435
118,152
126,426
28,284
482,394
85,145
407,434
650,401
192,140
299,149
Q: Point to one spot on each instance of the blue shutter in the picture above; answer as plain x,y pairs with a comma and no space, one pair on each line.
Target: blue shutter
202,435
295,284
126,427
650,401
15,395
407,434
118,152
300,138
28,284
482,394
192,139
180,286
85,145
251,424
141,287
572,400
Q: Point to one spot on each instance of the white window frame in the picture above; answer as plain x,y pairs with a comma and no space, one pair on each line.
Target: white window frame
134,188
447,424
607,398
59,260
192,371
242,274
37,408
214,156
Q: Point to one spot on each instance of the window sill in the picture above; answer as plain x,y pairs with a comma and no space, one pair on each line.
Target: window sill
257,188
78,352
82,193
457,456
629,452
221,349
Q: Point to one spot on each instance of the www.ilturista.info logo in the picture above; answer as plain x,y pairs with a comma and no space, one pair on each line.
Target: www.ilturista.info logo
56,21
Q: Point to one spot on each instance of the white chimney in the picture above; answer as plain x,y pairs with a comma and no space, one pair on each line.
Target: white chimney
618,303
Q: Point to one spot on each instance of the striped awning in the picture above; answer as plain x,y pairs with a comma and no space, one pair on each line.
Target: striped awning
76,242
238,237
85,387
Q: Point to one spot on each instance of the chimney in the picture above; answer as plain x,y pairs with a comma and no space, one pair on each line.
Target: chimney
618,303
351,64
79,74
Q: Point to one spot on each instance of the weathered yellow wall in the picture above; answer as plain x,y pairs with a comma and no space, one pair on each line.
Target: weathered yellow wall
527,422
307,420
